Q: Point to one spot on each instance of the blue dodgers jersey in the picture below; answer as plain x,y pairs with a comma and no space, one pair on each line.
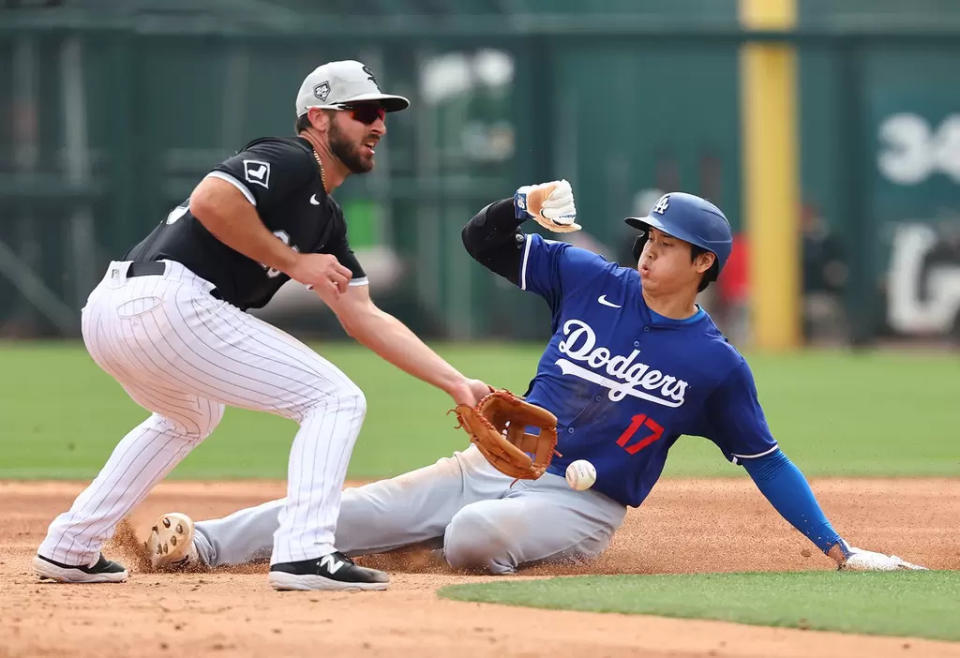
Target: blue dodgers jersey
626,383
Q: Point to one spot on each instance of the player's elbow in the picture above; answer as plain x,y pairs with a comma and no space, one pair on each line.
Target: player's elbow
351,325
360,321
476,235
353,329
470,242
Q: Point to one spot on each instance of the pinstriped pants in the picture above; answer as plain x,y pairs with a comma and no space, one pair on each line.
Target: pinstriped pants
182,354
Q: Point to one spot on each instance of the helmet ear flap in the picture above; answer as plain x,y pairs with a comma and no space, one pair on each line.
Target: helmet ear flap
638,245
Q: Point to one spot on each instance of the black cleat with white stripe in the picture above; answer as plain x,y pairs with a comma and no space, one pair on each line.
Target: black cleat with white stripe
101,571
334,571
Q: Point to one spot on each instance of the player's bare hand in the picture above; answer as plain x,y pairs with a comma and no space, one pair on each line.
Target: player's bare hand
321,272
470,392
550,204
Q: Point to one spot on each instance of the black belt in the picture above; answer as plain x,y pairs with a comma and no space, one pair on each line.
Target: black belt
150,268
155,268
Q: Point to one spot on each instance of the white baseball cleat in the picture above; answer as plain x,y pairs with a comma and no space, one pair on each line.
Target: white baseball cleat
170,544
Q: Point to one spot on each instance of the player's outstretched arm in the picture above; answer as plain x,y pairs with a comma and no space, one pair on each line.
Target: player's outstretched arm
396,343
782,483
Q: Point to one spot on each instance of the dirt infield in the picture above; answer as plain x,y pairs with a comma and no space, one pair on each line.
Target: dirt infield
685,526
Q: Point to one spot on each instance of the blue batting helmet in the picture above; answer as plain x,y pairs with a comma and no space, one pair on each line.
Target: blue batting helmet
689,218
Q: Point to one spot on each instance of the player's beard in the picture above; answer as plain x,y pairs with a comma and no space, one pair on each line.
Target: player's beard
348,152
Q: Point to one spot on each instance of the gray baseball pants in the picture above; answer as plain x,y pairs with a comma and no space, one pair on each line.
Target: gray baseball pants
484,520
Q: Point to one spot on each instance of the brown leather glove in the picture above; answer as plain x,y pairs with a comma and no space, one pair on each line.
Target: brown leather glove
497,425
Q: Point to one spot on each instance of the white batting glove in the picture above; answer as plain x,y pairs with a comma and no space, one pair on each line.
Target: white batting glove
861,560
550,205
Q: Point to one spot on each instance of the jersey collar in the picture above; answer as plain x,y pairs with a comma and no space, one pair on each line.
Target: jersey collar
662,321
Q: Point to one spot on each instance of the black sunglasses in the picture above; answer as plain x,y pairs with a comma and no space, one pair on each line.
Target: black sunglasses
366,113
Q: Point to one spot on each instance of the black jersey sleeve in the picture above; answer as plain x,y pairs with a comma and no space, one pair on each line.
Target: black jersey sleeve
340,247
348,259
268,171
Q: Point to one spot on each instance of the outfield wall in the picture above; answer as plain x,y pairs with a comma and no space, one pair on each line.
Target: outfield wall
109,116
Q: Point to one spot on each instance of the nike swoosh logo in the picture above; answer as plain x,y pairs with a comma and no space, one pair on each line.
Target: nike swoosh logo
603,300
313,200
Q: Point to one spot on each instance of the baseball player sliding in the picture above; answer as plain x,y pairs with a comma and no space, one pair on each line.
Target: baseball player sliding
632,365
168,322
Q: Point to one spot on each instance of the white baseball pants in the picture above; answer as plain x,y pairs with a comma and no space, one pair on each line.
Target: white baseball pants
182,354
461,502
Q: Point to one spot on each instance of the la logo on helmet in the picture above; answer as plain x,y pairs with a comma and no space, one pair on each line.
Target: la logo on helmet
662,204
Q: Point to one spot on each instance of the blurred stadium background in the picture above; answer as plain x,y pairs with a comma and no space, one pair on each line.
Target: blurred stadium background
112,110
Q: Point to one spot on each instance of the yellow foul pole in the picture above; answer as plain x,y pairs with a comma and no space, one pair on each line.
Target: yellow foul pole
771,198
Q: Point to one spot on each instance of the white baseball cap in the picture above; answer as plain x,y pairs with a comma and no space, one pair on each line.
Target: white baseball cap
337,84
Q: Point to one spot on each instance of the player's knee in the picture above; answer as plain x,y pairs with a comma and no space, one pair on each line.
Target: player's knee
473,542
209,420
351,400
359,401
194,426
346,401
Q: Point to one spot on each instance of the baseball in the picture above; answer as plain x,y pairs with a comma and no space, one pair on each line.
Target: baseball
581,475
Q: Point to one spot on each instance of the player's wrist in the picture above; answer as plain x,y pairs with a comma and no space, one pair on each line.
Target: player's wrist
465,390
454,385
287,261
550,204
529,199
837,553
520,207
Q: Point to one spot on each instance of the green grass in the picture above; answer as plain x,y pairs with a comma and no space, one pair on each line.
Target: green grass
919,604
834,413
861,414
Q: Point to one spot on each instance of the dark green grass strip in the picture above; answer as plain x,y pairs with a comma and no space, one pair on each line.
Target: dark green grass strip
918,604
